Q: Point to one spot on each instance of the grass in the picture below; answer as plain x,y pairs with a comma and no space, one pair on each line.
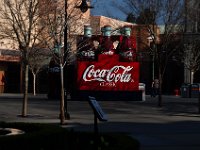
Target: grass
54,137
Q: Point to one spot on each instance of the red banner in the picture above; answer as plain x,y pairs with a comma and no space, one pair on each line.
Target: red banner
108,74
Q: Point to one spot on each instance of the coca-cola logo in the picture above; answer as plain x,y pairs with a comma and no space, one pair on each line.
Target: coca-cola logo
108,53
107,73
115,74
127,54
88,53
54,69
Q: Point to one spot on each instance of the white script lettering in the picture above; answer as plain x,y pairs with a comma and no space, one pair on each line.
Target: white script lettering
115,74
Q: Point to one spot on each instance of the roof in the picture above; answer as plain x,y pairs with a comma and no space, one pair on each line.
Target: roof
10,55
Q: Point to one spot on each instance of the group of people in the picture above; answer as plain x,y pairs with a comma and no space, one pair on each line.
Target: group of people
155,88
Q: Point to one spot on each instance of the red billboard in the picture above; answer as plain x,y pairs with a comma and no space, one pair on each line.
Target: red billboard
108,74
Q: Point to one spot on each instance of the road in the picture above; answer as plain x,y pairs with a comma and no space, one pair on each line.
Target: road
175,126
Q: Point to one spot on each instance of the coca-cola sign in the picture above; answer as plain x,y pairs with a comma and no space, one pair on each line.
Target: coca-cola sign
108,74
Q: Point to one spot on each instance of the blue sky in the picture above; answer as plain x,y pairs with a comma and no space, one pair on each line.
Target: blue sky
110,9
107,8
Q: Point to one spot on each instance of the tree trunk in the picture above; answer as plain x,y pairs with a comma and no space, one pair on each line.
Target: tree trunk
160,90
192,77
160,81
25,98
62,111
34,84
21,79
199,103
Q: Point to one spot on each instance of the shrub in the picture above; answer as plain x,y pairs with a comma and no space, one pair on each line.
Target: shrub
54,137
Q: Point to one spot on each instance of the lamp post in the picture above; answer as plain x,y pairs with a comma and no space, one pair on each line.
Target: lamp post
63,104
84,6
151,40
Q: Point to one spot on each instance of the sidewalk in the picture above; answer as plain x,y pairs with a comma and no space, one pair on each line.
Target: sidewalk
175,126
19,95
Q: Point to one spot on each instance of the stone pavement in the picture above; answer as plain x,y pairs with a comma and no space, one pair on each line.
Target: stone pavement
175,126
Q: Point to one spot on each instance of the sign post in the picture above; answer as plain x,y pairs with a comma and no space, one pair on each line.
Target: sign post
98,114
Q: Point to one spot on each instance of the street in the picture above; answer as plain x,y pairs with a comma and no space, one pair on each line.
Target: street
175,126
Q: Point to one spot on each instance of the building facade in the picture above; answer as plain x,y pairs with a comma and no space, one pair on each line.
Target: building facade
10,54
11,76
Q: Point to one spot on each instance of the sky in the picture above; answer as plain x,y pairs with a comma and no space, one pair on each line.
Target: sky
107,8
110,9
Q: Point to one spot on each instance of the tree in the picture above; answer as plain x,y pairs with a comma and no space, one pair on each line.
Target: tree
62,25
38,58
19,22
191,36
146,17
131,18
154,13
191,57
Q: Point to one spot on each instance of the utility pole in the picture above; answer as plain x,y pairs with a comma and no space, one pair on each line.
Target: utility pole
64,60
66,114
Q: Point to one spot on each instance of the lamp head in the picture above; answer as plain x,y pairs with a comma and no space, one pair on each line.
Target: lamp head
84,6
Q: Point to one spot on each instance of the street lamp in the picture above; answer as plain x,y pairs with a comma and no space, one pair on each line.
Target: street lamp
84,6
64,111
151,41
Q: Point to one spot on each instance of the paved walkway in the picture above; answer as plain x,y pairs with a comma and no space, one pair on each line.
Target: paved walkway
175,126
